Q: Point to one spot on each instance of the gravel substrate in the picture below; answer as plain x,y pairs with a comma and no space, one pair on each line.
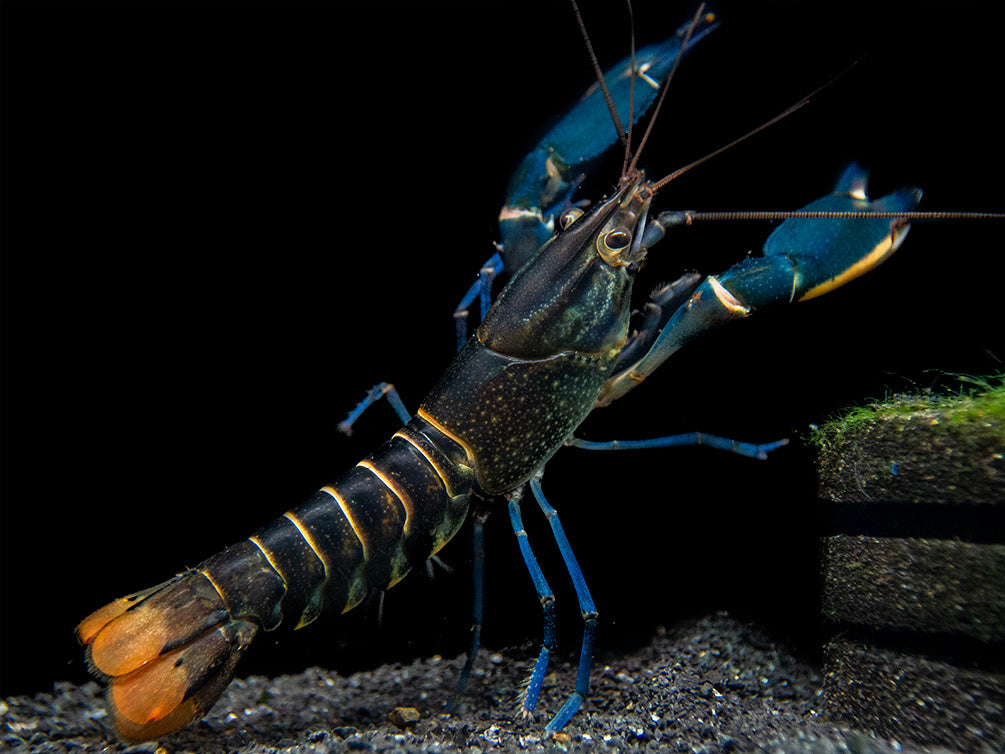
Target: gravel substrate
710,685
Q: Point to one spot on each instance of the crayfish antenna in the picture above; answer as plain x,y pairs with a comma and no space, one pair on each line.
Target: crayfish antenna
167,654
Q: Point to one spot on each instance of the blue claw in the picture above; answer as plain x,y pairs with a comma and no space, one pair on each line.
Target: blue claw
803,258
542,185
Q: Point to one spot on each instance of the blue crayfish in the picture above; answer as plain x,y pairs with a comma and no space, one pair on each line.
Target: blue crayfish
557,341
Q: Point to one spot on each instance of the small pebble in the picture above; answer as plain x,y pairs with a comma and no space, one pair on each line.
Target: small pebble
402,717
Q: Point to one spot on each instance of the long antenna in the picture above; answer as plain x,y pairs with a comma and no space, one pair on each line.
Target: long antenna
666,86
803,101
689,217
631,86
622,137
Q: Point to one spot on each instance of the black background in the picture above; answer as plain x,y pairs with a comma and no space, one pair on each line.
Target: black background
223,222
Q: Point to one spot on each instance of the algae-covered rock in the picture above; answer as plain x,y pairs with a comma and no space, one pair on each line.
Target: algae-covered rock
916,449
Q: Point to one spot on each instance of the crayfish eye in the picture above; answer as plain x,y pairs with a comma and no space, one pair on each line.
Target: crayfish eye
617,240
568,217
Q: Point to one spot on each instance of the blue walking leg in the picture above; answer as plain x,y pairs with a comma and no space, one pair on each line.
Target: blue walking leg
382,390
480,289
586,607
748,449
547,597
477,574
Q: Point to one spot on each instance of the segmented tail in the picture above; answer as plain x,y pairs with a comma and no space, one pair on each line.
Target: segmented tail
166,652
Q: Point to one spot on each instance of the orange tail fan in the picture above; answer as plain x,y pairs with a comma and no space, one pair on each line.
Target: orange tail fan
166,652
